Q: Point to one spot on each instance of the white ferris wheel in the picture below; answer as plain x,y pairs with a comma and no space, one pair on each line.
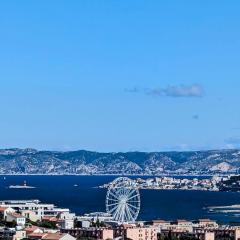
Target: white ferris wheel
123,200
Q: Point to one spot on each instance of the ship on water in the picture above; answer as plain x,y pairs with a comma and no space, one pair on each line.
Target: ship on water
23,186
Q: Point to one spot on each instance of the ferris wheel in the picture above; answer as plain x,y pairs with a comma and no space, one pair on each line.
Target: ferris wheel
123,200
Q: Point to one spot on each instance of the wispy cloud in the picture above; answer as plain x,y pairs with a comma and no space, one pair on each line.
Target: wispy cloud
194,90
133,90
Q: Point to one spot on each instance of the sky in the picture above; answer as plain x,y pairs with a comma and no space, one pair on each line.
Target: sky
120,75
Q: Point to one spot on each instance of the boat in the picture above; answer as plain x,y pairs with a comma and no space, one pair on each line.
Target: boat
24,186
75,185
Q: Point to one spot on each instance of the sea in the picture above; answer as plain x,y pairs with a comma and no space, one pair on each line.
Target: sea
82,195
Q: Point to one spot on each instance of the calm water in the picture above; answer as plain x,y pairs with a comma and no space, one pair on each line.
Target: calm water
155,204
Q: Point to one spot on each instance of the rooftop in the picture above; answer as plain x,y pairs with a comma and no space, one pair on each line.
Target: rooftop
53,236
2,209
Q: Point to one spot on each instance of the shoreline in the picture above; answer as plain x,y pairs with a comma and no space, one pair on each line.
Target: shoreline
133,175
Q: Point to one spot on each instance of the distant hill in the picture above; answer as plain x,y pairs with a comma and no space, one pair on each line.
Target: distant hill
31,161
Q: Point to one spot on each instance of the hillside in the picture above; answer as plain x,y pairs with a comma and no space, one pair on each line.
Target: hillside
31,161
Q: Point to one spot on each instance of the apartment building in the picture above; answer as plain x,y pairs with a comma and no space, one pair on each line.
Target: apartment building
38,208
95,233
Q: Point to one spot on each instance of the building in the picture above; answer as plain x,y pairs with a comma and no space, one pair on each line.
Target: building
49,219
40,209
178,225
31,215
205,223
19,235
66,223
58,236
204,235
4,211
182,225
50,236
66,215
33,229
35,236
140,233
160,225
96,216
84,223
15,217
135,232
96,233
226,232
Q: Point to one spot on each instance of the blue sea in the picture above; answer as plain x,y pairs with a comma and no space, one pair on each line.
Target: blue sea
86,197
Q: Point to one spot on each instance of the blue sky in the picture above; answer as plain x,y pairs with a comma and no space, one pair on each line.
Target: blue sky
120,75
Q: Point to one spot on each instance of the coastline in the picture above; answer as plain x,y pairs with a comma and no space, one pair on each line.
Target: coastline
133,175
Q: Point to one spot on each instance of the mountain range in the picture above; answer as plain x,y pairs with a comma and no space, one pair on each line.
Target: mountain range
32,161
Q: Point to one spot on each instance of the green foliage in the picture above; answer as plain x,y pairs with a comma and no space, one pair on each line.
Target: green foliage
45,224
28,221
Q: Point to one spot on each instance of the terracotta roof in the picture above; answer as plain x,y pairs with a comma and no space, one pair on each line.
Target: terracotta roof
31,229
160,221
49,218
36,235
54,236
17,215
125,225
2,209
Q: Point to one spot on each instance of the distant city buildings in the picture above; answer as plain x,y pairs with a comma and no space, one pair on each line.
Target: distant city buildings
170,183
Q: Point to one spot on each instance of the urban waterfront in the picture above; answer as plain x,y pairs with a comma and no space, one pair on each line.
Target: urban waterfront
82,195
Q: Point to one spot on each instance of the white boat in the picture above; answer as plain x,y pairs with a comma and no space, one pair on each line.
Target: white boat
21,186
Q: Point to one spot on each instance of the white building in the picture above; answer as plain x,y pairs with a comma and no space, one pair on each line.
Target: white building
67,215
85,223
31,215
19,219
66,223
96,216
40,209
5,210
19,235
